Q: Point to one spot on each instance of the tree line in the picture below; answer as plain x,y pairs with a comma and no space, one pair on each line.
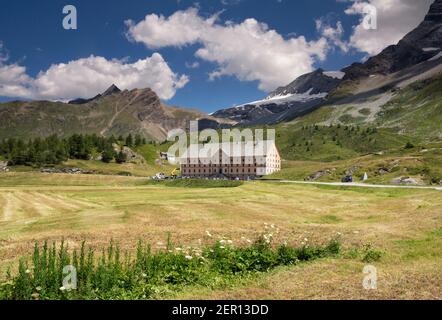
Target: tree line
54,150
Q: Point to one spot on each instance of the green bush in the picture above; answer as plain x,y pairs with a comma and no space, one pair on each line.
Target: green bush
117,275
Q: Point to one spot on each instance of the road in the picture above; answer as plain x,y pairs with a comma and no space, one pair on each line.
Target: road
355,184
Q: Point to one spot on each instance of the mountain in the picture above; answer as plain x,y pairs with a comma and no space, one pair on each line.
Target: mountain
111,90
361,92
285,103
113,112
421,44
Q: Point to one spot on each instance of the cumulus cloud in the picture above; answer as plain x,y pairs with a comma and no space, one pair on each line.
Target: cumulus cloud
88,76
249,50
395,18
333,34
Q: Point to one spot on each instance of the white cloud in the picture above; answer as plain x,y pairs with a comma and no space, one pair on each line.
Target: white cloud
333,34
248,50
193,65
14,82
395,18
88,76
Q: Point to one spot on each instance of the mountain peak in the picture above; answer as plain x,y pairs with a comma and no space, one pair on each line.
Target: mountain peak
111,90
315,82
419,45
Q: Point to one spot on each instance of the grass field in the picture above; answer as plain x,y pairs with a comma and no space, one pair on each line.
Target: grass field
38,207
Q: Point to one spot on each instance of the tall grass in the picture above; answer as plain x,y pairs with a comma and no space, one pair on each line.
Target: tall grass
113,274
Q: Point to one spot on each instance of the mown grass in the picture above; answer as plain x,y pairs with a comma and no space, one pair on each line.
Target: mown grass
196,183
116,275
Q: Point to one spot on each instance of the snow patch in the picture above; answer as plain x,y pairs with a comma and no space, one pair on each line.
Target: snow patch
430,49
335,74
285,98
437,56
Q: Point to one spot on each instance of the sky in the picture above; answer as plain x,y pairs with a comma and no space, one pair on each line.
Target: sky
206,55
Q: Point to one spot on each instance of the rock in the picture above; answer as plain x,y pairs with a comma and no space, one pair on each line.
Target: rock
352,170
66,170
404,180
4,166
315,176
384,170
131,156
408,52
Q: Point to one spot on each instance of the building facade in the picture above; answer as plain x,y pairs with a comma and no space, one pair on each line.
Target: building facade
246,160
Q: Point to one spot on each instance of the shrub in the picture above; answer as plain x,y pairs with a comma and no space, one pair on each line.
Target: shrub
116,275
369,254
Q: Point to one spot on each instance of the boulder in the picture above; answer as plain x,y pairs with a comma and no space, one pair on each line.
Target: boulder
131,155
4,166
404,180
319,174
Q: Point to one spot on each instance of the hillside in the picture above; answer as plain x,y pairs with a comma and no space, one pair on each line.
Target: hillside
374,93
114,112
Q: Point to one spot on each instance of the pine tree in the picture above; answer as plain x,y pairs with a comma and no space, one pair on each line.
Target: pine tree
129,141
138,140
108,154
121,157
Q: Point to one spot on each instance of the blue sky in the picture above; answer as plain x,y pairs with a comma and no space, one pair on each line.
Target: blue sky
32,37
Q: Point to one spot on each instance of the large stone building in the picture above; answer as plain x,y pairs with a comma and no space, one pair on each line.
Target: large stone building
232,160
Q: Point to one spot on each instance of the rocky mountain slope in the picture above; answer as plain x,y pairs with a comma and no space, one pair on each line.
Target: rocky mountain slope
421,44
112,112
285,103
359,93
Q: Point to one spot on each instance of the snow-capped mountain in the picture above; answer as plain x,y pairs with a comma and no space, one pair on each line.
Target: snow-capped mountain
299,97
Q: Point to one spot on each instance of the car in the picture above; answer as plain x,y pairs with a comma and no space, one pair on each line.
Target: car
347,179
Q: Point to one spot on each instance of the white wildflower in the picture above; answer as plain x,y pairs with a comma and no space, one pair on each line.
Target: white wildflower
38,288
62,288
208,234
189,257
28,271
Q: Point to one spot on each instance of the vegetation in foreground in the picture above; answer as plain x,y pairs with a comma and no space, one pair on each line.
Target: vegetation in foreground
116,275
95,208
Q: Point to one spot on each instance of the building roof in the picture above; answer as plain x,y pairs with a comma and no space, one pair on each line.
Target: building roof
229,149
